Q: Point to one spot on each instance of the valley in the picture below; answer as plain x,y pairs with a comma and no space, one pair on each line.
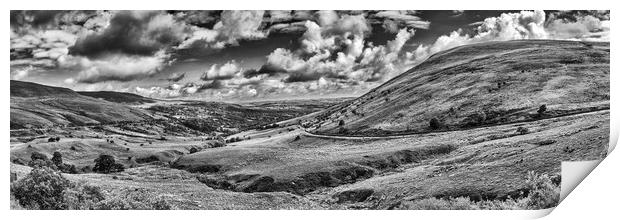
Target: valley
470,122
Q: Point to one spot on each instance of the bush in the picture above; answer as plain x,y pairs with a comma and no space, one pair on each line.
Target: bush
522,130
107,164
38,156
193,150
57,158
42,188
543,193
434,124
542,109
134,199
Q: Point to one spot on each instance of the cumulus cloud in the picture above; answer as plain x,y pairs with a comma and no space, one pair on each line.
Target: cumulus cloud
338,51
225,71
517,26
233,26
134,33
406,18
114,67
22,73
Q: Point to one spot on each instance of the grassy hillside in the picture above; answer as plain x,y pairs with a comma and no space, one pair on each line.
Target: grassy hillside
39,106
120,97
480,85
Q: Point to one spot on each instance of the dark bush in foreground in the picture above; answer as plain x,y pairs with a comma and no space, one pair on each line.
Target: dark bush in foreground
107,164
43,188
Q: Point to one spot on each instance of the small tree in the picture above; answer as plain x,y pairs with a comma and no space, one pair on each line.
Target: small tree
193,150
522,130
38,156
434,123
542,109
107,164
57,158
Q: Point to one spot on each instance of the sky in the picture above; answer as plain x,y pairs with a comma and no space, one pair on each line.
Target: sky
260,55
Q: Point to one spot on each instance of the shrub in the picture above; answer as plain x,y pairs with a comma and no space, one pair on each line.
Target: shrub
434,124
42,188
82,196
542,109
543,193
140,199
107,164
522,130
341,123
38,156
57,158
193,150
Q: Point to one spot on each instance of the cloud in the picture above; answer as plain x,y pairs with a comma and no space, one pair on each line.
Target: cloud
22,73
199,18
175,77
233,26
406,18
585,27
114,67
517,26
134,33
226,71
338,51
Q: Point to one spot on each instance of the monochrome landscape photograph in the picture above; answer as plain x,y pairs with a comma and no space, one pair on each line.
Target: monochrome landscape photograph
304,109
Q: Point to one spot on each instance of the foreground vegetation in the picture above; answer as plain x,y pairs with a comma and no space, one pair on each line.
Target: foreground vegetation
45,188
543,194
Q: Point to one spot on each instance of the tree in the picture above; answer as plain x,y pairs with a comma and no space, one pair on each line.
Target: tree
57,158
193,150
434,124
107,164
341,123
542,109
38,156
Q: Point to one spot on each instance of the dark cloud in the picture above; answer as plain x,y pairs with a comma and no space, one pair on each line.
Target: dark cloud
215,84
203,19
48,19
133,33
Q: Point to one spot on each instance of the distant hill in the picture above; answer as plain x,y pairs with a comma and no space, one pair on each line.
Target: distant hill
29,89
119,97
478,85
39,106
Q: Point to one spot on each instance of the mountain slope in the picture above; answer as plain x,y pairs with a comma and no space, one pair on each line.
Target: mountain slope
119,97
40,106
478,85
